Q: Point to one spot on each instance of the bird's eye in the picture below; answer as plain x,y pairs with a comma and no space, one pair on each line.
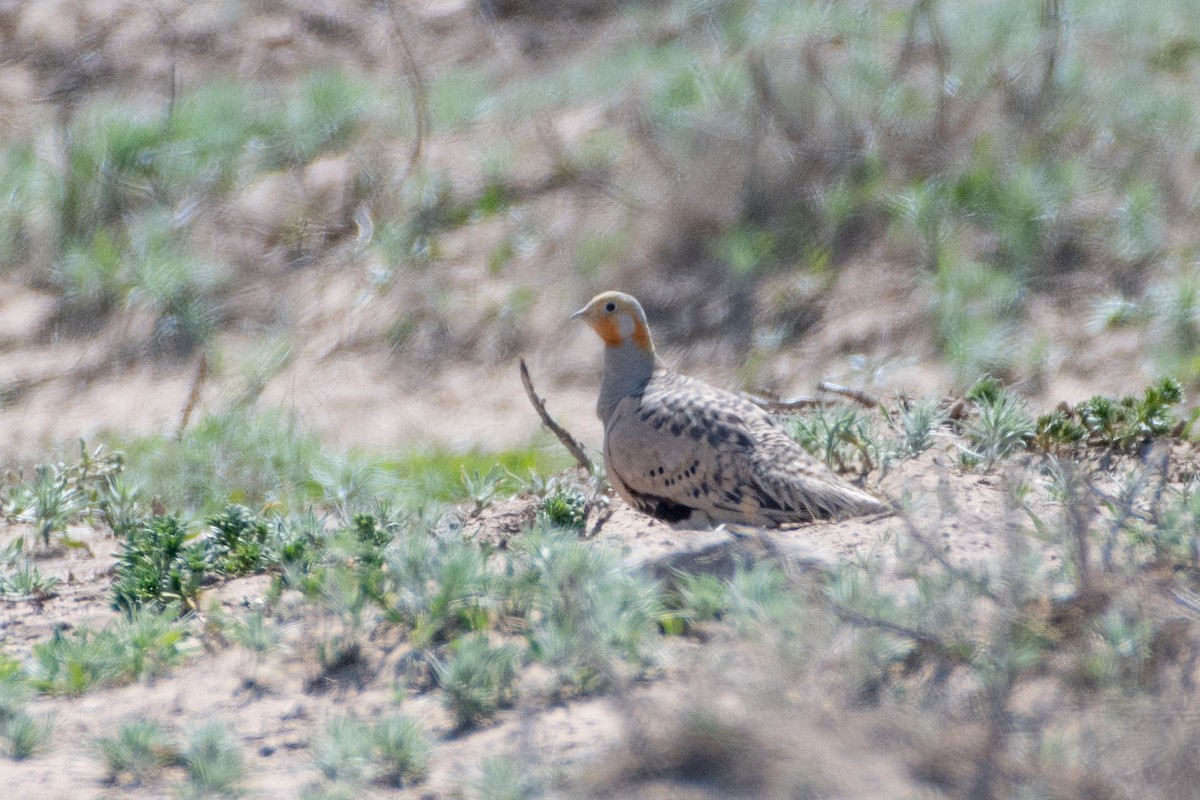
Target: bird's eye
610,306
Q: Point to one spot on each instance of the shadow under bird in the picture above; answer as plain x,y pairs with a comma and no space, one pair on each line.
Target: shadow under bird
688,453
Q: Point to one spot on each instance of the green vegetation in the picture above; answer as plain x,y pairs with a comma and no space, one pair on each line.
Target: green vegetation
27,581
138,751
60,494
999,164
212,761
156,569
1062,602
394,751
24,735
270,460
143,646
477,679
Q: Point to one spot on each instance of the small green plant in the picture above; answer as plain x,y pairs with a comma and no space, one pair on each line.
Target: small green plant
1119,652
505,779
477,679
840,436
349,483
28,581
1131,419
144,645
138,751
1003,427
55,501
482,488
1112,422
157,568
15,686
565,509
237,545
213,763
12,552
401,751
342,749
919,423
588,615
1057,429
24,735
438,587
119,504
255,635
300,543
701,597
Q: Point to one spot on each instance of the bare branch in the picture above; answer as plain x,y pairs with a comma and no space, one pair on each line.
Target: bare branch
564,436
416,80
193,395
857,395
784,406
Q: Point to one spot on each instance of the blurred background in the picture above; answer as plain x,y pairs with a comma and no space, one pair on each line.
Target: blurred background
358,215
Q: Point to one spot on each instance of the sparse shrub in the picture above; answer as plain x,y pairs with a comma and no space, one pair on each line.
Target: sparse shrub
977,308
144,645
919,423
394,751
587,614
401,751
254,634
324,113
701,596
505,778
237,456
15,686
27,581
299,543
24,735
476,679
139,750
438,587
342,749
213,763
758,597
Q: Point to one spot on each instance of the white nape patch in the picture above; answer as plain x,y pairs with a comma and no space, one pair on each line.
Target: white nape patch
625,326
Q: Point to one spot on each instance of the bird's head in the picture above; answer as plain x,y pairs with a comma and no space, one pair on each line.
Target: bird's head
619,320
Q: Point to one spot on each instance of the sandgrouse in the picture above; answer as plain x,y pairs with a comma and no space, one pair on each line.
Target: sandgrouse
687,453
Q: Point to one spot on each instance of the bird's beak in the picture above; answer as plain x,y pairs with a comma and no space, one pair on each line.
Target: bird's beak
578,313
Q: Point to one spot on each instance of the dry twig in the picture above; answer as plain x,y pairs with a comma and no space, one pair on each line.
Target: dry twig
857,395
564,436
785,406
193,395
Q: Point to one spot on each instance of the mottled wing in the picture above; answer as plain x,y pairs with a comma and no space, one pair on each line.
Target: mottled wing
683,447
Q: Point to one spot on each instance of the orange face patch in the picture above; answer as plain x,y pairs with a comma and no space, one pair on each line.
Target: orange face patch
607,328
641,335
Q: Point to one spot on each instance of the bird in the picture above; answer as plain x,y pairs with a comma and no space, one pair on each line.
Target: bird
691,454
